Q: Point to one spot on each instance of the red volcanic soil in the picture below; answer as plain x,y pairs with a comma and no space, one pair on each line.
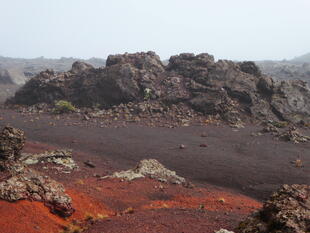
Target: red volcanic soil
240,164
143,205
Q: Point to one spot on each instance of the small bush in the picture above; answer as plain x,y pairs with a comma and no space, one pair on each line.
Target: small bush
63,106
147,93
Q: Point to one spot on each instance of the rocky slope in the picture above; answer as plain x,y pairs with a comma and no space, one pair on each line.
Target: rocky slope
286,70
234,91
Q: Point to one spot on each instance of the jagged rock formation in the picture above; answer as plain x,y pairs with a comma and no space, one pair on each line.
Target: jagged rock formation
288,210
232,90
18,182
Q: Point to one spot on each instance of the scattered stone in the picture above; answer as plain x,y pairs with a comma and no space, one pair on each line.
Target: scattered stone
203,145
129,210
293,135
270,128
224,231
89,164
150,168
182,146
298,163
287,210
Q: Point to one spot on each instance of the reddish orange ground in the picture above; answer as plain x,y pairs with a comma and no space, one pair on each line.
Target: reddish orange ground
127,205
112,199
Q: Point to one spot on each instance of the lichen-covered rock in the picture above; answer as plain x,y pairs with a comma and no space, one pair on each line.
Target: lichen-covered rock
59,157
18,182
32,185
150,168
12,142
287,211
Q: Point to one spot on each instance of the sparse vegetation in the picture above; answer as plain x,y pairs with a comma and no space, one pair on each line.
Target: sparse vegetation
63,106
147,93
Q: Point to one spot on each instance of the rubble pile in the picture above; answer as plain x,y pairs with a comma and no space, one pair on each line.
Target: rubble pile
150,168
151,112
22,182
288,210
232,91
293,135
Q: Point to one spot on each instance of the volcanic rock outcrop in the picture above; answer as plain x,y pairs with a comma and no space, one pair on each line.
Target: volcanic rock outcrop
18,182
150,168
232,90
288,210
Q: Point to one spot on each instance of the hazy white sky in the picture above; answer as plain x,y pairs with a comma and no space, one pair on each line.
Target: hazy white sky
231,29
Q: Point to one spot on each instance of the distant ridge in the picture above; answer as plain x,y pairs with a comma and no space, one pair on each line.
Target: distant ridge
302,59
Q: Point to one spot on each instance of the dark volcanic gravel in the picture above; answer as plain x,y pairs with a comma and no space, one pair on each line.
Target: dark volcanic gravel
254,165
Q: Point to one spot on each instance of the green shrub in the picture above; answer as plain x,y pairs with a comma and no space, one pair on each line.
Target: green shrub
147,93
63,106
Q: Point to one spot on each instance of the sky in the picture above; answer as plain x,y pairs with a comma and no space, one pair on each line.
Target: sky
227,29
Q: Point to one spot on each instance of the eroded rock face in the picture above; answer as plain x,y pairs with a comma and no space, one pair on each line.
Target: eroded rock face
291,101
22,182
288,210
197,80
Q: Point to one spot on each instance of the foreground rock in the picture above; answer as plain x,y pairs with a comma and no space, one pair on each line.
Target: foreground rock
150,168
232,91
288,210
31,185
18,182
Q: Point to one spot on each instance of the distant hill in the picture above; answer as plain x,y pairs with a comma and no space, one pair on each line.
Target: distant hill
18,70
302,59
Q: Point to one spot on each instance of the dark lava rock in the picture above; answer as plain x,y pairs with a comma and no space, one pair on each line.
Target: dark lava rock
291,101
78,67
143,61
250,68
208,86
287,211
